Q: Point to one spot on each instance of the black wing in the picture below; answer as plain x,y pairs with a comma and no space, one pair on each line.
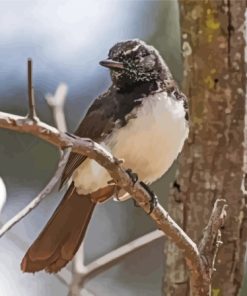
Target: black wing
97,123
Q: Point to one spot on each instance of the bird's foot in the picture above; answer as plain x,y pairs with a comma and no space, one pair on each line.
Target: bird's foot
133,176
154,200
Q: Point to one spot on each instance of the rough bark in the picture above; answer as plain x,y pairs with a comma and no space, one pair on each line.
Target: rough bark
211,164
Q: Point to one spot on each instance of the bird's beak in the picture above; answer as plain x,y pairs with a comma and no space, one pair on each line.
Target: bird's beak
112,64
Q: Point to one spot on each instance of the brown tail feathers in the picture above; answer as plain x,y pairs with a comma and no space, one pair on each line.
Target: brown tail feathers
60,239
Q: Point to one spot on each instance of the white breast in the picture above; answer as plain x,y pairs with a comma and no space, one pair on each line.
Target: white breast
148,143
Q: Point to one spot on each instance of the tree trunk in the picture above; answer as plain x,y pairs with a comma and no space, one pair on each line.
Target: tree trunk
211,164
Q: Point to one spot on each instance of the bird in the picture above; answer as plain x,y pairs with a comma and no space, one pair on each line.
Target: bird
142,118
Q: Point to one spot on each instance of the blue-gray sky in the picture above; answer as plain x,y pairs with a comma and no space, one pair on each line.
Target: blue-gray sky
66,39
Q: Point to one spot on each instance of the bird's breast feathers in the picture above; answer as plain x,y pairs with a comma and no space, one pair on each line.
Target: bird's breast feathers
149,142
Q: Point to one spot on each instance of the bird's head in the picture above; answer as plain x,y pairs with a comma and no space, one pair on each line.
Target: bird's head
134,62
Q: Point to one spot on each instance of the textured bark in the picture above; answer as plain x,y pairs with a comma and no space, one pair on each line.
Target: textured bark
212,161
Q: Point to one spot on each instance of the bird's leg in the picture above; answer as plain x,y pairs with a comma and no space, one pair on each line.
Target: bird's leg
102,194
154,200
134,178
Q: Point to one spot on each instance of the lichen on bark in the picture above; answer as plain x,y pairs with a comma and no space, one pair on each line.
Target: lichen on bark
212,160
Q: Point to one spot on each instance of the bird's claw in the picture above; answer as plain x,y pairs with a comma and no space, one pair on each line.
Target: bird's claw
153,201
133,176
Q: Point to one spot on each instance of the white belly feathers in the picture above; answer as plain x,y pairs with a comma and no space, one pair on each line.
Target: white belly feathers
148,143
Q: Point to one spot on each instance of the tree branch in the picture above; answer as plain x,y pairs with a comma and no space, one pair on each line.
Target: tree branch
111,164
122,179
31,100
56,103
199,268
211,232
110,259
209,244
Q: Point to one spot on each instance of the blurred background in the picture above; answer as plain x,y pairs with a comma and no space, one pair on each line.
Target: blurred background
66,40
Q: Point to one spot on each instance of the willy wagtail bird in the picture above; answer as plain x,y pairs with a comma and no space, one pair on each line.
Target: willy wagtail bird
143,119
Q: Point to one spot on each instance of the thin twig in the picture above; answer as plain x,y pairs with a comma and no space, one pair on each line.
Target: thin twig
31,99
105,262
66,277
80,276
56,103
16,238
35,202
78,265
215,222
208,249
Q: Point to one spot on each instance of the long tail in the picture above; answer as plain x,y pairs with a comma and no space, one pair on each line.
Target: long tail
60,239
